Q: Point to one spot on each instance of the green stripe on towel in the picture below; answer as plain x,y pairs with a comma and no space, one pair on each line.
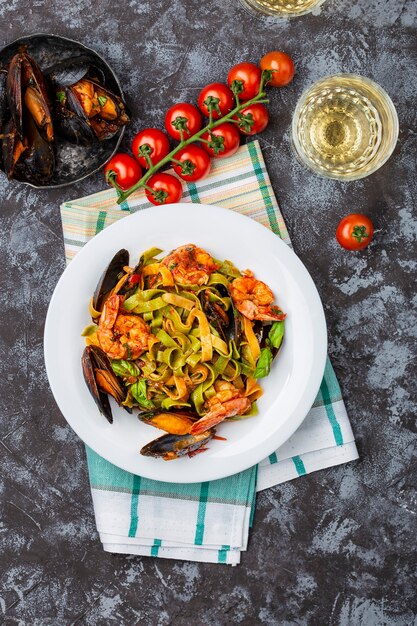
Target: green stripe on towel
199,532
155,547
299,465
134,506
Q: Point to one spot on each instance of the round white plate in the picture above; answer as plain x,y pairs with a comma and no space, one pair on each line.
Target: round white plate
295,376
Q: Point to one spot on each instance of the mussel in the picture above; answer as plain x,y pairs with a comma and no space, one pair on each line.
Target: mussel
85,110
172,422
37,162
109,278
170,447
102,381
27,94
114,277
27,135
227,323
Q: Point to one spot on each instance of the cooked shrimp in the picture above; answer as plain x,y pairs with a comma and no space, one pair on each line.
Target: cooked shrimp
253,298
190,265
227,402
121,335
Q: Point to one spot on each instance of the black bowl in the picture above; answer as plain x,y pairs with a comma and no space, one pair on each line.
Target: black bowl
73,162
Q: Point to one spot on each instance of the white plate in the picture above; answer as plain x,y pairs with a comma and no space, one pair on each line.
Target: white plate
290,389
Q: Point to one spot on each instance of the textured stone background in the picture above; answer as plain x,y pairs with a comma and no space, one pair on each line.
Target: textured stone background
332,548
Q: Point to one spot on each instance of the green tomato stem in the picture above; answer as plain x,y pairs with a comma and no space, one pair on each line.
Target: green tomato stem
260,97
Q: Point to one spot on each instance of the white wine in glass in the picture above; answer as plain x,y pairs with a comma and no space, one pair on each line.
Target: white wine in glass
282,8
345,127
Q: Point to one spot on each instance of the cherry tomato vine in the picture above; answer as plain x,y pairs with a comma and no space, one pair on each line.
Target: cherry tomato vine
245,90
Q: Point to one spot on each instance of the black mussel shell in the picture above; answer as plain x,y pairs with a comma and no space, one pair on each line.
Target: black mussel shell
14,92
71,121
71,70
37,163
174,446
99,397
217,317
110,277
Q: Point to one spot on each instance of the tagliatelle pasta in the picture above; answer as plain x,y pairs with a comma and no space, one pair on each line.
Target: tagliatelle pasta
185,333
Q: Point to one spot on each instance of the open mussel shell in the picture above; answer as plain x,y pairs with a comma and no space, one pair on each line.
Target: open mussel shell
170,447
109,278
172,422
70,119
73,161
75,128
101,380
27,95
37,163
69,71
227,323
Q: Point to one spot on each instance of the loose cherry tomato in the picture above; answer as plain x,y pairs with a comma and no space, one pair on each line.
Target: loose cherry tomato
282,67
256,120
183,115
123,170
355,231
248,80
163,189
152,142
225,141
195,163
219,96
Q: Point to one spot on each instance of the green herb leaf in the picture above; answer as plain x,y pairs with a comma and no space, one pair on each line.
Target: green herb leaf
125,368
102,100
263,366
138,391
276,334
89,330
60,96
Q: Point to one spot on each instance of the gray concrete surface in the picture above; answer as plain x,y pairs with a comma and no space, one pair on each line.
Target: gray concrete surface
336,547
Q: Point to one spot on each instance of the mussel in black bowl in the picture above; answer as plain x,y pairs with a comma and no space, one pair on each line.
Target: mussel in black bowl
84,109
26,122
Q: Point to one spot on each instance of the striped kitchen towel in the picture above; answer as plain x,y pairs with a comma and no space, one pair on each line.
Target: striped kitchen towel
205,521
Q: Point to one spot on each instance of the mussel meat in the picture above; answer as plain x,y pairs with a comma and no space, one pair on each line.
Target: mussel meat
110,277
27,94
172,422
170,447
102,381
85,110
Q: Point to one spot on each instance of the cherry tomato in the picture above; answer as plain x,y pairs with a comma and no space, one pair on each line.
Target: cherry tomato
220,96
355,231
186,115
249,76
153,142
260,119
282,66
195,163
123,170
230,144
163,189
